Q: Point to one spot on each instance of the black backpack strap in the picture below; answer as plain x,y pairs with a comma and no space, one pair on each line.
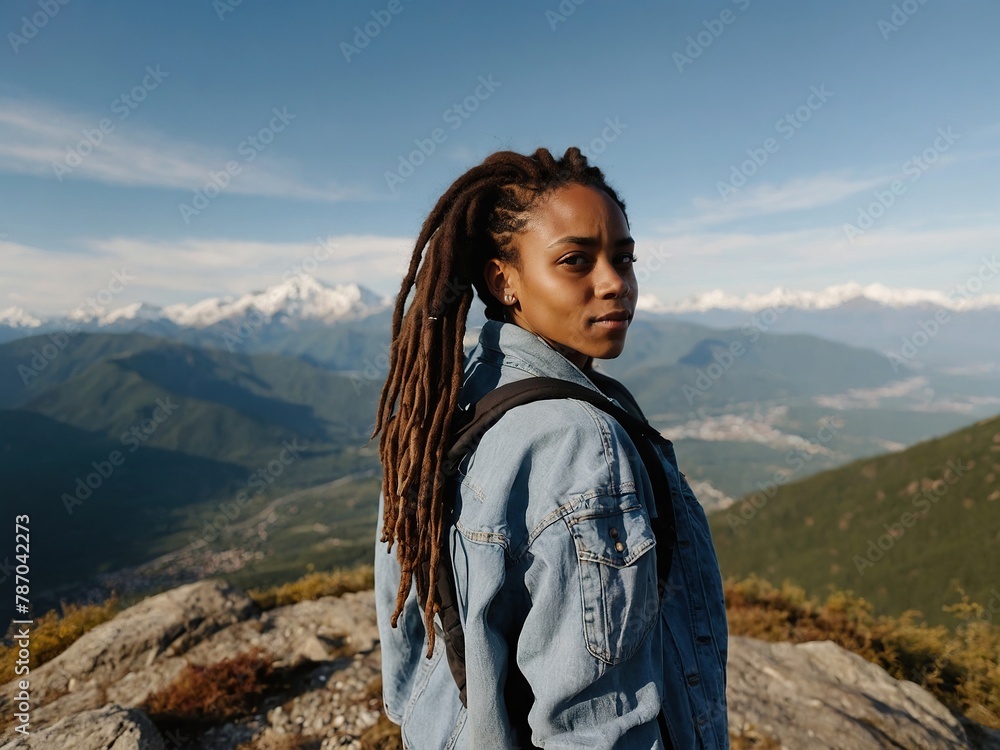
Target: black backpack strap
468,429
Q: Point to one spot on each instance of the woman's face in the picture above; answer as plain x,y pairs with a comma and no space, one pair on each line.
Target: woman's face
575,267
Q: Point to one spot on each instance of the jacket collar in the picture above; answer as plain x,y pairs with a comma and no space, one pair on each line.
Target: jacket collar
517,353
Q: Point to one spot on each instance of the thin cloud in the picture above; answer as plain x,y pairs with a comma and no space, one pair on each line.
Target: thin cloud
34,137
760,200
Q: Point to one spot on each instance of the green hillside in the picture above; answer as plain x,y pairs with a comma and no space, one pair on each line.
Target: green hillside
902,530
192,430
723,368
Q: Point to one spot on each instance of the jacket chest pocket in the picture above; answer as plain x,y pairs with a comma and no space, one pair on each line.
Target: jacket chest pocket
614,544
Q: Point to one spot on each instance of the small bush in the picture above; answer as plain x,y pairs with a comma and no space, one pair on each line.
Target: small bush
53,633
212,694
316,585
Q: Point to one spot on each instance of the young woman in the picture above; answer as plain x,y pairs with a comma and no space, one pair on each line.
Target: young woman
571,641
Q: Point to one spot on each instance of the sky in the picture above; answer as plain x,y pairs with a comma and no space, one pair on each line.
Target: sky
169,152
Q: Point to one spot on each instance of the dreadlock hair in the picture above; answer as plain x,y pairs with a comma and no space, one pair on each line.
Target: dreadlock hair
476,219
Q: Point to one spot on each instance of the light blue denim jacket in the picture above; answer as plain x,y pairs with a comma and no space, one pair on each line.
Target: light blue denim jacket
552,537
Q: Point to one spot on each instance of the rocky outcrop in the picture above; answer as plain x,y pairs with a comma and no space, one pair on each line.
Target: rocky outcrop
818,695
811,695
110,728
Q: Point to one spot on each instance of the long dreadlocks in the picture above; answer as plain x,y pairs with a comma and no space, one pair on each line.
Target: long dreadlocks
475,220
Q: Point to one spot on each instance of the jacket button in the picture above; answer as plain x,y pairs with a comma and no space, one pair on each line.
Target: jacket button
684,542
693,679
703,639
613,533
619,546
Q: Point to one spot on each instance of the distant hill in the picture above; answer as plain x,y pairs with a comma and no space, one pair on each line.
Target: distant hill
900,529
181,433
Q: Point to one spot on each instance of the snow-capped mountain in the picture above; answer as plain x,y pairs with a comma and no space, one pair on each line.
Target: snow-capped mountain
832,297
919,327
16,317
299,301
302,298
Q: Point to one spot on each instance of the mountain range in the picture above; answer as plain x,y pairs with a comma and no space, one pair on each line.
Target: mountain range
920,327
219,415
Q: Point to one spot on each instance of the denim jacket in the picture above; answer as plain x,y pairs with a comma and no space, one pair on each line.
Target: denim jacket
554,556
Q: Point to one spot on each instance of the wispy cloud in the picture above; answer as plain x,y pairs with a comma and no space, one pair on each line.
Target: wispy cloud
34,136
799,194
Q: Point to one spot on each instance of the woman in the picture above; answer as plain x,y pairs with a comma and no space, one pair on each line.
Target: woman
570,639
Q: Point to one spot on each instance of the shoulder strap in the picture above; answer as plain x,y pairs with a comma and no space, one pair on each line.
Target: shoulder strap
472,424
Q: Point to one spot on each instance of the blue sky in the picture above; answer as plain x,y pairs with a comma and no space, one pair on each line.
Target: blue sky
744,136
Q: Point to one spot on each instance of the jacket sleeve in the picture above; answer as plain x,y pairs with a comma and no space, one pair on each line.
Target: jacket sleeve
404,645
567,579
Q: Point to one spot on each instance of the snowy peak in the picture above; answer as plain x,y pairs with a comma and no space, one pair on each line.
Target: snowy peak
849,294
301,298
16,317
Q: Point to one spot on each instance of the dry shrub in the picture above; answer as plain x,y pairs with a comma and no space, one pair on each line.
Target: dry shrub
749,738
960,666
204,695
315,585
53,633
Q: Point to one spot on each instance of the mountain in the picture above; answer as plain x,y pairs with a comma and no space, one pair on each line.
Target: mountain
902,529
296,303
920,327
127,445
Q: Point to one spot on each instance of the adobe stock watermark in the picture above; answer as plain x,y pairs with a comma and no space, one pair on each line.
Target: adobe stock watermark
454,116
900,15
562,12
922,501
255,319
47,10
723,360
915,167
787,126
250,148
259,480
42,355
135,436
363,36
714,28
123,106
612,129
927,329
796,459
224,7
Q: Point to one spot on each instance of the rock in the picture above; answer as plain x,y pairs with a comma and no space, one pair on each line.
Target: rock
819,695
327,656
112,727
164,625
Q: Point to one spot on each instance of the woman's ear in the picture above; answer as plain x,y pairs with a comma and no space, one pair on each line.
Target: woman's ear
501,280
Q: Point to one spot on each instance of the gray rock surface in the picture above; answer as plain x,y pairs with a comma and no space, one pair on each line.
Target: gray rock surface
109,728
818,695
813,695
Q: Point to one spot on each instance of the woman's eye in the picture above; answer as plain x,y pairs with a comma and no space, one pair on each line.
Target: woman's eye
630,257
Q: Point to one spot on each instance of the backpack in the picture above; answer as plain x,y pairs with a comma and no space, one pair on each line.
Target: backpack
469,427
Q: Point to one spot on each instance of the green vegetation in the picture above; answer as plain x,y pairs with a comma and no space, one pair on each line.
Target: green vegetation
907,530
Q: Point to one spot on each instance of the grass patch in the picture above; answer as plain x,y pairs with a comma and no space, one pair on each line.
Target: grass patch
315,585
54,632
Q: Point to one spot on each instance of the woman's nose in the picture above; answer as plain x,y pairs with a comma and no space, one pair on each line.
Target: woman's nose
613,281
